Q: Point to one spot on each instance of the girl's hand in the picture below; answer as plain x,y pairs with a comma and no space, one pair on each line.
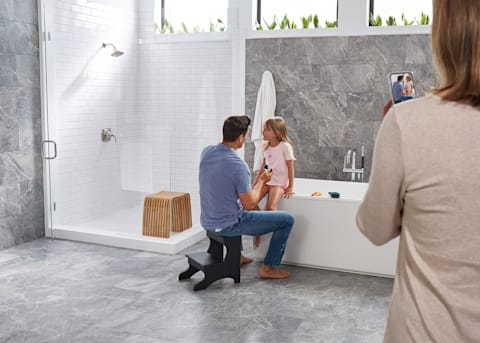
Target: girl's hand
288,192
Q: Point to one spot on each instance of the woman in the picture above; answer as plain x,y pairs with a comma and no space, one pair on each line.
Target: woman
425,188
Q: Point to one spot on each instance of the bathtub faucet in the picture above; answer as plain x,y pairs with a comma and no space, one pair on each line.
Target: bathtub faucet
349,164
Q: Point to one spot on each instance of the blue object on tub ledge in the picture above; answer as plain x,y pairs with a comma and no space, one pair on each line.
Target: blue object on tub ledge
335,195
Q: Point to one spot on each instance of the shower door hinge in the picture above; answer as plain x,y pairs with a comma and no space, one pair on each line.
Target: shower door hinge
47,36
54,206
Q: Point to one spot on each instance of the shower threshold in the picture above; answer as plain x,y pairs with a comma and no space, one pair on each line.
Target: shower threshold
176,243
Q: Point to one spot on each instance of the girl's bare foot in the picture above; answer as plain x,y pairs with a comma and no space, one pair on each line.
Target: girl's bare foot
245,259
267,272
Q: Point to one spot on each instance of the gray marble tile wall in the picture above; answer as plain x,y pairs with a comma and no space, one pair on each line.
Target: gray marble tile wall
21,178
331,92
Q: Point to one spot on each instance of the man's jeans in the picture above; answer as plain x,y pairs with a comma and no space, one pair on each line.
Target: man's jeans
257,223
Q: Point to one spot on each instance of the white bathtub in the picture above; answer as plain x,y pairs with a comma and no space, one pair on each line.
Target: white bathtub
325,234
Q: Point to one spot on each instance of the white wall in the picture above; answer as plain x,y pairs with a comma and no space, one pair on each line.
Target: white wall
184,93
92,90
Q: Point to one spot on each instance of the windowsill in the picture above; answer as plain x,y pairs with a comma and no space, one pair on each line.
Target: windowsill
188,37
336,32
291,33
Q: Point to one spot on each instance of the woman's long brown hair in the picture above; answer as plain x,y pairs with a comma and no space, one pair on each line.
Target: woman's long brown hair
456,49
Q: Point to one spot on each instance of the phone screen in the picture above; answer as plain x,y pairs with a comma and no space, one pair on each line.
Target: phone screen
402,86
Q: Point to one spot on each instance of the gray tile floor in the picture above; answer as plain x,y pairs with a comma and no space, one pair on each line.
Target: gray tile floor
62,291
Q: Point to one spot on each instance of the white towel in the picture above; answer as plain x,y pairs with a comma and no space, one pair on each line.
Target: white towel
265,108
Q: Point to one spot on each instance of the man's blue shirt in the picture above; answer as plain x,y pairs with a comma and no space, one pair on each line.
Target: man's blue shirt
397,91
222,175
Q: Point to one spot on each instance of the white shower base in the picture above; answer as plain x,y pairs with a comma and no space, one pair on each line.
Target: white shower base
124,229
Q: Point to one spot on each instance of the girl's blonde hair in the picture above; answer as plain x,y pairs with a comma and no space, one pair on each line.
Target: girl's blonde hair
456,48
278,126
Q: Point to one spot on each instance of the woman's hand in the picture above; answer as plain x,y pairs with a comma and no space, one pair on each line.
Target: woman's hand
386,107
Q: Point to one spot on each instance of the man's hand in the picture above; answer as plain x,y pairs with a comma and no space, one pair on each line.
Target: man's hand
266,176
251,198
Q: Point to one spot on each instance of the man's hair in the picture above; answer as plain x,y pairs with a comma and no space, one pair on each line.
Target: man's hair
234,126
399,78
456,48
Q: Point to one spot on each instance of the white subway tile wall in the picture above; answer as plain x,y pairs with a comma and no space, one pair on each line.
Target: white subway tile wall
163,101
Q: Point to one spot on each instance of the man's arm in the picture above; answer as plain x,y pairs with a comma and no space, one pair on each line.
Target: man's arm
260,172
251,198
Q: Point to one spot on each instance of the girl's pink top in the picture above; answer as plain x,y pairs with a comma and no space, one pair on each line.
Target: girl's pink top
275,158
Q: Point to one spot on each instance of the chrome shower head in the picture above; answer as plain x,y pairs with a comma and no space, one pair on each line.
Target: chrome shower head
116,52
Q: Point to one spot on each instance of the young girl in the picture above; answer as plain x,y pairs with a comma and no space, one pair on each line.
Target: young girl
278,156
408,89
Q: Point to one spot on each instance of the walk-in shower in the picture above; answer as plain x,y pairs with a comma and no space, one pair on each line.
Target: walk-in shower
161,103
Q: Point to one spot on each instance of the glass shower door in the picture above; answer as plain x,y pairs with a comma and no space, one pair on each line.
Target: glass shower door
84,97
114,130
49,145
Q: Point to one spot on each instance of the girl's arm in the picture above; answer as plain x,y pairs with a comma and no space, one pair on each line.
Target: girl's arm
260,172
291,177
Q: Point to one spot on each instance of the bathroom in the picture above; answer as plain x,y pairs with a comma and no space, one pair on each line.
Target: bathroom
165,99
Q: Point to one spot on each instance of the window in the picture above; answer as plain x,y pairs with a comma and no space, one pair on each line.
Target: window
297,14
405,12
174,16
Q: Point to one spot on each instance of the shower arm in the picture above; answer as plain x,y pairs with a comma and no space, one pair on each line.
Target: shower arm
116,52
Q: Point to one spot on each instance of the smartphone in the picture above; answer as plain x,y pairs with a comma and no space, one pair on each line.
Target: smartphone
401,85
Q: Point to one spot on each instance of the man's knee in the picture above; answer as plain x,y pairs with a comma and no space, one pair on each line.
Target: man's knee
289,219
280,218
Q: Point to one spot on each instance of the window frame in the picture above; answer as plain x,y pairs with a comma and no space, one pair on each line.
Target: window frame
259,17
162,20
371,12
248,31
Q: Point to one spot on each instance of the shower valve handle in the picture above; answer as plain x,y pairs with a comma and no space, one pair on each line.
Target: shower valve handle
107,135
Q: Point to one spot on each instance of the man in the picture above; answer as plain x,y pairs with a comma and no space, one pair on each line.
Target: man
227,198
397,89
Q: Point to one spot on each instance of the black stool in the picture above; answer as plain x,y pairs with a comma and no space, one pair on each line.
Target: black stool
212,263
